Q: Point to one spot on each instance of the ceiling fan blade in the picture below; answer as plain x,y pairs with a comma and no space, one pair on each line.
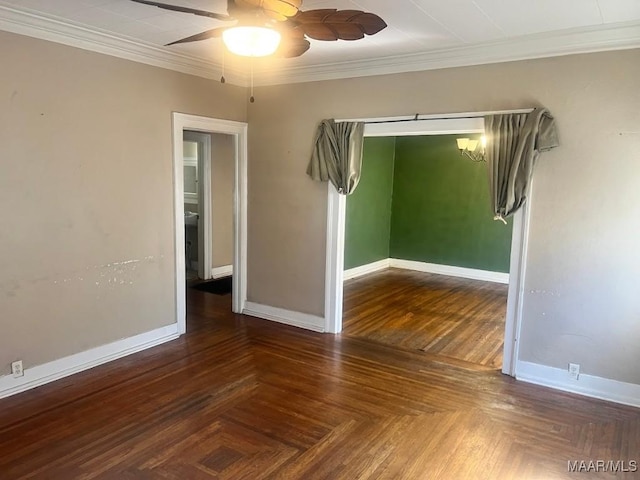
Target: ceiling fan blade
331,24
293,44
279,10
175,8
216,32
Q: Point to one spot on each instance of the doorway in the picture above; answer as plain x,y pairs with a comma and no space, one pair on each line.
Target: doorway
197,201
336,213
238,132
426,266
209,161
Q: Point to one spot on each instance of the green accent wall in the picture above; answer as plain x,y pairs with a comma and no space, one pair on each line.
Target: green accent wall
441,208
368,223
419,199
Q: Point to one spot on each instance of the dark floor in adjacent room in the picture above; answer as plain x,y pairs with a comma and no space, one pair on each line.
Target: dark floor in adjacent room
453,317
242,398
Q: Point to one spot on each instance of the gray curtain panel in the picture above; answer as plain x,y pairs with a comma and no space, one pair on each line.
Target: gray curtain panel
337,155
514,142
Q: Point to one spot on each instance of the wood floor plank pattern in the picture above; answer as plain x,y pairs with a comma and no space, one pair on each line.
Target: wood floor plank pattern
454,317
242,398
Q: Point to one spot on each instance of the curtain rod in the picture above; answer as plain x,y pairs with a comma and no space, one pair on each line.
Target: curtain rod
447,116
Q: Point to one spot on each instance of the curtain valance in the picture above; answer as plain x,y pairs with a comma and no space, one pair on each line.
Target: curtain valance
337,154
514,142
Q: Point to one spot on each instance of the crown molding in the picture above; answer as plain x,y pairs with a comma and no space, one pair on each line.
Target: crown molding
618,36
64,32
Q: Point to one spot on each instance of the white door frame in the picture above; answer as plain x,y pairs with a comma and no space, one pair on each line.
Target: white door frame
182,122
336,215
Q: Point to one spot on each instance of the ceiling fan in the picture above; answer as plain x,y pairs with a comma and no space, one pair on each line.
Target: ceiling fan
266,27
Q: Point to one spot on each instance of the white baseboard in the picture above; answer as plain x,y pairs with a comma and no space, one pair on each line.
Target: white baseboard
219,272
63,367
588,385
470,273
288,317
366,269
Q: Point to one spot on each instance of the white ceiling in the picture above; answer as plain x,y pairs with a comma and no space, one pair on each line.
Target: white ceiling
421,34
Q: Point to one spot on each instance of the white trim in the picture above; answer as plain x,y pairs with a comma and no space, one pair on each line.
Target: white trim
587,385
220,272
366,269
599,38
440,126
206,219
334,265
183,122
240,217
452,271
515,295
287,317
207,212
179,233
63,367
618,36
38,25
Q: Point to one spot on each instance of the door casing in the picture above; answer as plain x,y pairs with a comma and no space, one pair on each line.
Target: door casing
336,216
238,130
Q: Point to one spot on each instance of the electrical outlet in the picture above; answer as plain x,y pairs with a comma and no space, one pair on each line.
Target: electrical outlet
574,371
16,369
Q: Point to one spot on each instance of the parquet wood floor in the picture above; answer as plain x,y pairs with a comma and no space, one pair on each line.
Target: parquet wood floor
454,317
242,398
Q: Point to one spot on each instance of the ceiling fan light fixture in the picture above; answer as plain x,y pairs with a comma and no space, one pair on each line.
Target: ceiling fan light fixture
251,41
262,23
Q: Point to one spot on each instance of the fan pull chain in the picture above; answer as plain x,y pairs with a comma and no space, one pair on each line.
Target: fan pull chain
252,98
222,79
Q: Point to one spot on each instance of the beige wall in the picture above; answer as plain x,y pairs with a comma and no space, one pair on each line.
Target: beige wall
581,300
80,125
86,224
222,180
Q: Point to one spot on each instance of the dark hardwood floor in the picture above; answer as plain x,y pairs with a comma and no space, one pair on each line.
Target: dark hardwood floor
242,398
440,315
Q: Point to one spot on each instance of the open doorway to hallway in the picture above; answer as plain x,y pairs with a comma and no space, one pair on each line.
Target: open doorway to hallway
227,142
209,160
197,187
